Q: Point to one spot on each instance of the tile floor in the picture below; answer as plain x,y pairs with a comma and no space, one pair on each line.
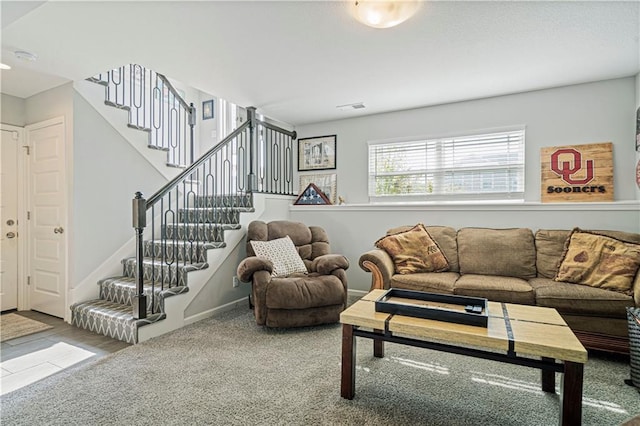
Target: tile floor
27,359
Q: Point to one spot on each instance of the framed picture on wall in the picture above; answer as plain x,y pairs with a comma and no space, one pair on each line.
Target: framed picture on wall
318,153
207,109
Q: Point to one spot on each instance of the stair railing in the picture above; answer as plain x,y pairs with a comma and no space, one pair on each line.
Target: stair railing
154,106
189,214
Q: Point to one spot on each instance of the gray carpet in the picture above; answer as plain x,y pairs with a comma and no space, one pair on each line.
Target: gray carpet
226,370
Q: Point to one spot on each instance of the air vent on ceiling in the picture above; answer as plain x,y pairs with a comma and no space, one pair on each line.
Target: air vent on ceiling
357,105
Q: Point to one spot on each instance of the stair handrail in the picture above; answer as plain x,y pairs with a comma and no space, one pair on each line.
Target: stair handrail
187,172
191,110
147,111
242,142
174,92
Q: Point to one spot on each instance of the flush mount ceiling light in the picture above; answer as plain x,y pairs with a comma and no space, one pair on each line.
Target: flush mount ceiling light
4,67
23,55
384,13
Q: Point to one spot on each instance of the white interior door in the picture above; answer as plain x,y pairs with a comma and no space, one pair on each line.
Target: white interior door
9,218
47,282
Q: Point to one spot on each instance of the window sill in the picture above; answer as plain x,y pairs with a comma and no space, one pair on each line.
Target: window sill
500,206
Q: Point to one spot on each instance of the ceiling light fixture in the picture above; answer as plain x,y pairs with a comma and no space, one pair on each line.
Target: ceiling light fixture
4,67
23,55
384,13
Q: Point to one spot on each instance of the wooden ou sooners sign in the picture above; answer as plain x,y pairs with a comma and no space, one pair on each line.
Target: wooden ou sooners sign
577,173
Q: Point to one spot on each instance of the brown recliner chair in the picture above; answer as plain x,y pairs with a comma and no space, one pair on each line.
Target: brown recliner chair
316,296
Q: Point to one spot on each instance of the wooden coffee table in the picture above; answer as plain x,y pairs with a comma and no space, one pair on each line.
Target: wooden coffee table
516,334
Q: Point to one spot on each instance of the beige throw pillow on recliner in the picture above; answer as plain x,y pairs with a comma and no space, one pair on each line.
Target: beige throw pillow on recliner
282,253
414,251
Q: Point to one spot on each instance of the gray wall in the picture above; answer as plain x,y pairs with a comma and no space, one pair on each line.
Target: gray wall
637,186
595,112
107,173
12,110
580,114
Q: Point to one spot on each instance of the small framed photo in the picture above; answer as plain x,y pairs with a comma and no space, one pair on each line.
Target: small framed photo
325,182
207,109
318,153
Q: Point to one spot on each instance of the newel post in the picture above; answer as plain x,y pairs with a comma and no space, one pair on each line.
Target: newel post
251,117
139,223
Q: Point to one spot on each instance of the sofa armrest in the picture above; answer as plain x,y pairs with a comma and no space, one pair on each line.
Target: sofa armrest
381,266
328,263
251,265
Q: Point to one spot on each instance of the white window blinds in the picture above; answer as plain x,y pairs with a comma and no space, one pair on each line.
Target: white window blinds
485,166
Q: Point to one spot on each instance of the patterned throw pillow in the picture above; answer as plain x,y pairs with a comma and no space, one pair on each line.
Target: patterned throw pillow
414,251
283,254
599,261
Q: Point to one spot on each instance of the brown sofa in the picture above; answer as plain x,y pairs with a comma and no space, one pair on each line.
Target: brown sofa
516,266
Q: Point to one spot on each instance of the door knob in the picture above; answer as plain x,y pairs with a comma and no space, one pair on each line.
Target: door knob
11,234
10,222
58,230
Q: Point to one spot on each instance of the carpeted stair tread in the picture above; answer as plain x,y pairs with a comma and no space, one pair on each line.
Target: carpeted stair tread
190,251
208,245
123,289
220,226
147,261
221,215
224,200
174,274
220,208
199,231
110,319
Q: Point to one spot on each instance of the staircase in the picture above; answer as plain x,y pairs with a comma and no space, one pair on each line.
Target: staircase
200,229
177,226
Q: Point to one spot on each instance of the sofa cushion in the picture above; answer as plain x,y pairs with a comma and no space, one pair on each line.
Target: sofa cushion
599,261
432,282
495,288
504,252
580,299
304,291
445,238
413,251
549,248
282,254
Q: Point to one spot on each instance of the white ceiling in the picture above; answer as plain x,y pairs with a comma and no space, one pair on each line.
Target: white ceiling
297,60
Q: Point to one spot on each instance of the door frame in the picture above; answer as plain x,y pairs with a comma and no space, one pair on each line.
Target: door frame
21,215
27,198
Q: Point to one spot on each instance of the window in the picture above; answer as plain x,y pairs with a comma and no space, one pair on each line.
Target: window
481,167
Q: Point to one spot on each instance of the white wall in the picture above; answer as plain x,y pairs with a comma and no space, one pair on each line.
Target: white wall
107,173
586,113
12,110
637,152
595,112
208,129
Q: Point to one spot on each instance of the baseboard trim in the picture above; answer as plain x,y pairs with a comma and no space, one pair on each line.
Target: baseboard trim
216,311
359,293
